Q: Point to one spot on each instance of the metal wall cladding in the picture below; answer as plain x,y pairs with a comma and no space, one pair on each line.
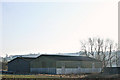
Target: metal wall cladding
52,65
43,62
43,70
65,70
76,64
19,66
77,70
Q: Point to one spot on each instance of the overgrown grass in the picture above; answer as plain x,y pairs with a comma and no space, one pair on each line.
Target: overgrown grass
61,76
42,76
28,76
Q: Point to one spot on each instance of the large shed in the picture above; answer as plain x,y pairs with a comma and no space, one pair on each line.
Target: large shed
20,64
61,64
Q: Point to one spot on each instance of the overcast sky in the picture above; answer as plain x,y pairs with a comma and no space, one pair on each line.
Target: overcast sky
56,27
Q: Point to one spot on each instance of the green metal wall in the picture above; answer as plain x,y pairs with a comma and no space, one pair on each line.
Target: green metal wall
44,62
76,64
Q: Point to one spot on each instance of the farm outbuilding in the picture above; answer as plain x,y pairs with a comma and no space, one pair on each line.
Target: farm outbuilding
61,64
20,65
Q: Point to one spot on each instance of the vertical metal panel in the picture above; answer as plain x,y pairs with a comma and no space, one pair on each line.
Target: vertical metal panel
50,66
43,70
75,64
19,65
77,70
43,62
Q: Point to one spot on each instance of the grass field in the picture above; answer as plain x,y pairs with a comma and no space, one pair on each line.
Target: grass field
28,76
41,76
61,76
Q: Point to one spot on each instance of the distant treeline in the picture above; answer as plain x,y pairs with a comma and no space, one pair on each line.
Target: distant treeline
3,65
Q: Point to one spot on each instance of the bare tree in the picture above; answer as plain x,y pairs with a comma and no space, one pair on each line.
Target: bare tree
116,55
100,49
91,43
84,47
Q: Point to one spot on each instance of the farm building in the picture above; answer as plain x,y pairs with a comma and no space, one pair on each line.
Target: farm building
61,64
20,64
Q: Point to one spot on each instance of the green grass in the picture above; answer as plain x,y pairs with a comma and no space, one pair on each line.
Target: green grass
28,76
41,76
61,76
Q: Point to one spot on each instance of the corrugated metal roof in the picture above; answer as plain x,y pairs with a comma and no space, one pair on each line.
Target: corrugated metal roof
69,58
59,57
24,58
